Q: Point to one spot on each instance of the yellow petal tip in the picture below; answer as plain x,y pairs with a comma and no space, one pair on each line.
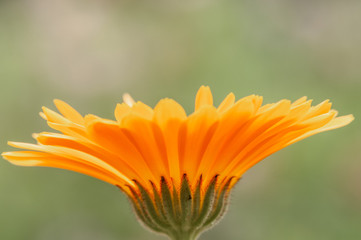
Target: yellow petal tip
128,99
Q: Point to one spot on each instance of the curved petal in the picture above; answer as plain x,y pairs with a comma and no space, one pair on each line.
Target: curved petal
204,98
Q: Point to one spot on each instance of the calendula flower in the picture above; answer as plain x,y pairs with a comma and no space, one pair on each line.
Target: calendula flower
176,169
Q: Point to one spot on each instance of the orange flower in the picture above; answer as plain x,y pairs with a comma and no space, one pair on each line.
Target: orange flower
162,155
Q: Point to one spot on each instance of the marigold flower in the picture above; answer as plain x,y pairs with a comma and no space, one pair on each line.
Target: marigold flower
177,170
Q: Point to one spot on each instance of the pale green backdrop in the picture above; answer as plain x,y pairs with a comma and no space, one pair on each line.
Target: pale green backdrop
89,53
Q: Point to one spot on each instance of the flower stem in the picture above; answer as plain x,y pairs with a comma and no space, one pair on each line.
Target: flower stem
184,236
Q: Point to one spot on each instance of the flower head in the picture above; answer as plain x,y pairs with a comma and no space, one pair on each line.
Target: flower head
176,168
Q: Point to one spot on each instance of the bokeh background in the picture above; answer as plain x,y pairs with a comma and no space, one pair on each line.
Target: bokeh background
89,53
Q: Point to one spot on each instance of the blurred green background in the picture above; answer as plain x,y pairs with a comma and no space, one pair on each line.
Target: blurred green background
89,53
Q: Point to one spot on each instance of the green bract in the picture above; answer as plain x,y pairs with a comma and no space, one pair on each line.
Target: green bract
183,213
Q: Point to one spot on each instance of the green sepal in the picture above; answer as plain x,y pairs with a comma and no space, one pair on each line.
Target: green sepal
158,202
167,202
141,212
196,203
177,211
185,200
207,202
219,206
147,200
176,205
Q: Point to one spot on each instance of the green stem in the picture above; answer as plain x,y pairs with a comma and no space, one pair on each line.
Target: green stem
183,236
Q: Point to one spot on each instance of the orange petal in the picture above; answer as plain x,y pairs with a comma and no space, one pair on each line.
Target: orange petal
121,110
230,123
111,137
74,155
204,97
89,147
226,103
199,129
69,112
142,110
321,108
299,101
30,158
333,124
150,147
166,110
